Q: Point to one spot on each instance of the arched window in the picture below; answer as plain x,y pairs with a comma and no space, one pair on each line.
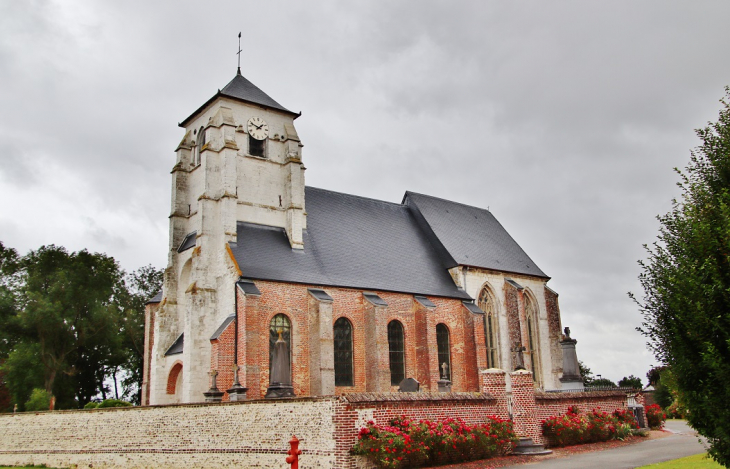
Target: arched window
343,352
279,323
397,349
532,337
174,378
444,351
199,146
256,147
487,304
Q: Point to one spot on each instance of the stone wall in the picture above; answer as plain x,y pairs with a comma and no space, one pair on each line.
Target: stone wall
248,434
256,433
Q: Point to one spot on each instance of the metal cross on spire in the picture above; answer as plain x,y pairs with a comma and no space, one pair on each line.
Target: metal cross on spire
239,53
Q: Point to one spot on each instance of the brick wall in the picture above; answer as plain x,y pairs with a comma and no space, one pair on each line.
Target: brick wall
370,346
353,411
552,404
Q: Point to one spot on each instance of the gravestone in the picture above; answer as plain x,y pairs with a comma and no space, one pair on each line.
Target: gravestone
444,384
409,385
213,394
237,392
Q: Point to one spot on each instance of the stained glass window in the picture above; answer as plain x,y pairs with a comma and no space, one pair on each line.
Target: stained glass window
486,303
531,314
343,352
396,346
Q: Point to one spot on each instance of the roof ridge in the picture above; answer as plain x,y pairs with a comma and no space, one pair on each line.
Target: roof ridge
446,200
356,196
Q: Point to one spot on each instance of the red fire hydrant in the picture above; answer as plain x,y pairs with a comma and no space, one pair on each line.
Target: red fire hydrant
293,453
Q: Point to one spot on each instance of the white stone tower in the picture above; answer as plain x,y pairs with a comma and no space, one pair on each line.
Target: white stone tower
240,160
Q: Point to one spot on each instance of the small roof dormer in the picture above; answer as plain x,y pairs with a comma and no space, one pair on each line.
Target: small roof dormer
241,89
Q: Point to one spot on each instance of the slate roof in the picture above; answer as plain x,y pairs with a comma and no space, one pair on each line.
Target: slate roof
155,299
188,242
177,346
466,235
472,307
352,242
241,89
248,288
374,299
223,327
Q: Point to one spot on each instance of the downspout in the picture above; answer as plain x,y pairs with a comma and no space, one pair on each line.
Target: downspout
235,336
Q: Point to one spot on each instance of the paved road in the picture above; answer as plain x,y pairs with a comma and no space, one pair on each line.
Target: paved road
683,442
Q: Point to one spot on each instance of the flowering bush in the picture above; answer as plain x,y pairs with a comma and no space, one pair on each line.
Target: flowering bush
408,443
655,416
676,411
574,428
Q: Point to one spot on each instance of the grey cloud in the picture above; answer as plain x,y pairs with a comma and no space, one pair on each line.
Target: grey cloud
564,118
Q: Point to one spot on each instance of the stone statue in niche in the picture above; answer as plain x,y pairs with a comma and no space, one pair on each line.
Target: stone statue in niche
280,379
519,362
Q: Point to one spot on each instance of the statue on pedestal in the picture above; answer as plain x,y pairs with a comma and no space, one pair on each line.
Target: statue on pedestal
518,350
280,379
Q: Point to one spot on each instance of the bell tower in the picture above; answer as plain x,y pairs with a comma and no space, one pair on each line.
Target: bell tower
240,160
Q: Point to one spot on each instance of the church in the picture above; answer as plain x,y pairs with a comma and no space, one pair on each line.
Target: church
350,294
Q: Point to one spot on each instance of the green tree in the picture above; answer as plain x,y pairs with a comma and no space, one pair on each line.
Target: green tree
585,373
686,282
630,381
142,285
71,323
654,374
603,383
70,307
40,399
64,322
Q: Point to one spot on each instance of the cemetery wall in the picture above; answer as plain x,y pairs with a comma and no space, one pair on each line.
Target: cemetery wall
256,433
551,404
246,434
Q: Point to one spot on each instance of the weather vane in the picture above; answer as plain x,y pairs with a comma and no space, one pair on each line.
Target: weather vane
239,53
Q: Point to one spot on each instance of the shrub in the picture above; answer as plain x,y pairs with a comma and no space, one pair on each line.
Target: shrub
113,403
40,399
407,443
655,416
91,405
574,428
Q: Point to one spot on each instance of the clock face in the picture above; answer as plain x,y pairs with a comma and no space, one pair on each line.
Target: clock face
258,128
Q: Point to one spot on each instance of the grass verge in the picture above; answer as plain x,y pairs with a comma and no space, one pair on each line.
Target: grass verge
698,461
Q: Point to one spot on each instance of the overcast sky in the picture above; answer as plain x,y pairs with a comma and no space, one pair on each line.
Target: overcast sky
565,119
